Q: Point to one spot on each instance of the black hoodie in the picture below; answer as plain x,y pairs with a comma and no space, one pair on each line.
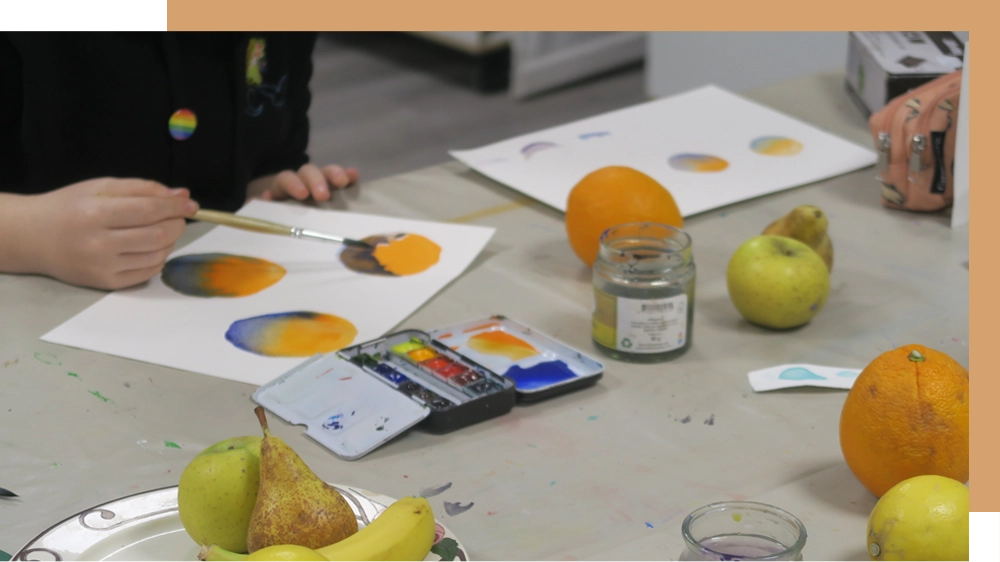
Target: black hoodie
75,106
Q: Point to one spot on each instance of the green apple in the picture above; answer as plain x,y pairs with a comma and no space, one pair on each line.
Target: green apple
777,281
218,490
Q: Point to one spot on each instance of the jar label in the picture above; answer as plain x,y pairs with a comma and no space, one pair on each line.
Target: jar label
640,325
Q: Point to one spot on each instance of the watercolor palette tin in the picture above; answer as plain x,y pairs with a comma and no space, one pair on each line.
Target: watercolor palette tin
362,396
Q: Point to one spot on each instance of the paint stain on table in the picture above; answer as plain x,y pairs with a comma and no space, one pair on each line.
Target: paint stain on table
102,398
456,508
434,490
171,444
47,358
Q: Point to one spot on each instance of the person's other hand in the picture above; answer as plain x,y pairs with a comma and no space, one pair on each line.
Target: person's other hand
105,233
309,181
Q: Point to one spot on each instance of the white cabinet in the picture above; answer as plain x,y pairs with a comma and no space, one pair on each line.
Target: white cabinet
541,61
678,61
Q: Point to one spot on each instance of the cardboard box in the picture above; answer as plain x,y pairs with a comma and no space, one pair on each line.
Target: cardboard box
884,64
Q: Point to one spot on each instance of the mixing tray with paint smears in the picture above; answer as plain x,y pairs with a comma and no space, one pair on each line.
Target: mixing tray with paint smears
361,397
539,365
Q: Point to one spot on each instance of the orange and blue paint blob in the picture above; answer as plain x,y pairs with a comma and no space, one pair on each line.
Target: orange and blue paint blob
776,146
291,334
182,124
220,275
503,344
701,163
392,255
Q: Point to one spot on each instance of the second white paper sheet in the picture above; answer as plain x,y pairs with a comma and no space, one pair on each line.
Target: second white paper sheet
763,150
157,324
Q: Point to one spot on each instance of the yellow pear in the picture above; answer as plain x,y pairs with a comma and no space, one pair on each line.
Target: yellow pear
294,506
807,224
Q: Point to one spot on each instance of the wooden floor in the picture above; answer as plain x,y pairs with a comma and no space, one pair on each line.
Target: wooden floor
375,110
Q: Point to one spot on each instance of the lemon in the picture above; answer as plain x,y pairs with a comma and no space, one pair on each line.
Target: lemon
921,518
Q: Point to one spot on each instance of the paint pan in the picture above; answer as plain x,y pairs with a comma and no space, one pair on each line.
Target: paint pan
354,400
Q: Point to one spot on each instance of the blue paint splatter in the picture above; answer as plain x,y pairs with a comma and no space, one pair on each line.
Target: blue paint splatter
799,374
534,147
648,524
592,418
334,422
553,483
848,374
594,135
540,375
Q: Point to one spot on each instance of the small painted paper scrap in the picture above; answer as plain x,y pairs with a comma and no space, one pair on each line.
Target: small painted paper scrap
801,374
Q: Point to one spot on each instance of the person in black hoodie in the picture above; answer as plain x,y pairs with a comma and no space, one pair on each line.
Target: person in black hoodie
108,141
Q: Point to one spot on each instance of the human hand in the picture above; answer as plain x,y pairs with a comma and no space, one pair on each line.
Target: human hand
309,181
105,233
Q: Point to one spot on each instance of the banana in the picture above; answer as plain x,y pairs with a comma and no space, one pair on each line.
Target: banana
275,553
404,531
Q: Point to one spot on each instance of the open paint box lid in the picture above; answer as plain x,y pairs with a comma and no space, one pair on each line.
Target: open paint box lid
343,407
362,396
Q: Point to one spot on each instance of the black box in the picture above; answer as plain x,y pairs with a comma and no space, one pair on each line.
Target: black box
884,64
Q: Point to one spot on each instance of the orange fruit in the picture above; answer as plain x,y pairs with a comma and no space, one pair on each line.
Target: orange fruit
907,415
612,196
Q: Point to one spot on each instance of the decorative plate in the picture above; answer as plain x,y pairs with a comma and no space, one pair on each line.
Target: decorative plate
147,526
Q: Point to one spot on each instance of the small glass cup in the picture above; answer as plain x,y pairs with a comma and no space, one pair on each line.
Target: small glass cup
742,530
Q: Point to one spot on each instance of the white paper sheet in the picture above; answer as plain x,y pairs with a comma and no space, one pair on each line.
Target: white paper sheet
156,324
792,375
706,121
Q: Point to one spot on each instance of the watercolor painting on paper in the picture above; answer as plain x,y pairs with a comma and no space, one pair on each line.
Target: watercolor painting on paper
248,307
708,146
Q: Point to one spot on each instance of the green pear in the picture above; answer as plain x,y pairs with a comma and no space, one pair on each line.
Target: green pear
218,491
294,506
807,224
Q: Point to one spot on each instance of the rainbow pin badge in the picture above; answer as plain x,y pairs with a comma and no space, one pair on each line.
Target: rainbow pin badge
182,124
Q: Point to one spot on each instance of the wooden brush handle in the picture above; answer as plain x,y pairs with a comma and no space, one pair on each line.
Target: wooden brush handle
244,223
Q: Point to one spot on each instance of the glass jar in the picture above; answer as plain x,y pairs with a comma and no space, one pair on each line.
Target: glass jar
643,292
742,530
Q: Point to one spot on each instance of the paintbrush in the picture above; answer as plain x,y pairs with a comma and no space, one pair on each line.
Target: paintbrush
268,227
5,493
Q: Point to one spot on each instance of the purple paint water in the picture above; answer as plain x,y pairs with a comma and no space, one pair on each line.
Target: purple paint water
740,547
